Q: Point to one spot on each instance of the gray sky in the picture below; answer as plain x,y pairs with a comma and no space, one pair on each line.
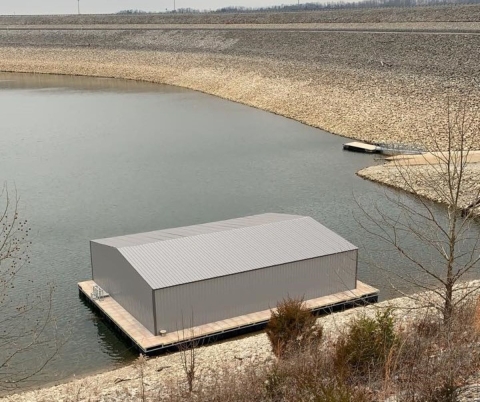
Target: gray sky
112,6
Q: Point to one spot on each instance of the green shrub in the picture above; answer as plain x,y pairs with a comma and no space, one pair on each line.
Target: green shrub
367,344
292,326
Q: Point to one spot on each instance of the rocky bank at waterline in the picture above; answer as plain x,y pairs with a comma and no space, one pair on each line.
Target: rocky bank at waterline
164,375
419,179
354,103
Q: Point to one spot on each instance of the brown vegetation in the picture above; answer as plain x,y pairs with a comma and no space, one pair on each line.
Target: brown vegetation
425,356
374,359
292,327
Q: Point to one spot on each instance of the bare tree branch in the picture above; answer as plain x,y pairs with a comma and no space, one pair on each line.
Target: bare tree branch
448,236
27,323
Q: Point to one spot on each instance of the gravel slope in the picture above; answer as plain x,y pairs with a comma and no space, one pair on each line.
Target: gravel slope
455,13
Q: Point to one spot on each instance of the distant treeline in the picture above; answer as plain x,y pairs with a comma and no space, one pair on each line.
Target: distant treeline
335,5
134,12
346,4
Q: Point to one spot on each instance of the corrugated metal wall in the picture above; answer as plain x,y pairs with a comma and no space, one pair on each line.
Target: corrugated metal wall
230,296
117,277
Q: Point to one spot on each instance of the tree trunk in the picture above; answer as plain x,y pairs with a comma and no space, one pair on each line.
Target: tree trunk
448,306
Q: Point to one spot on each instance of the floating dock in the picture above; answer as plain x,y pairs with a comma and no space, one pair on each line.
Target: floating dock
362,147
147,343
385,149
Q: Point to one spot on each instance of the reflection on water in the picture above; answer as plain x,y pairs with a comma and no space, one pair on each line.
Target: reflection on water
65,82
95,158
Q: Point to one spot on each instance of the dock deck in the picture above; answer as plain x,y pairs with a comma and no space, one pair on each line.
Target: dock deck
148,343
361,147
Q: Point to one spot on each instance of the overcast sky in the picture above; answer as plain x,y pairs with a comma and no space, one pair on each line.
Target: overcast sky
112,6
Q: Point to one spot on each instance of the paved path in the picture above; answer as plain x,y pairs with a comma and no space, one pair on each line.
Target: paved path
431,158
380,28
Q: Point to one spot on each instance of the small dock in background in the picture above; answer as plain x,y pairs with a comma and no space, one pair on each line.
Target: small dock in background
394,149
362,147
147,343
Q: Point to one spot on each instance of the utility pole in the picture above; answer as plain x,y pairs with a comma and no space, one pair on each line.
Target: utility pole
174,6
78,7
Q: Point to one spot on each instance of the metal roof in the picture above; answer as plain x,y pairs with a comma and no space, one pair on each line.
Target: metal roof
175,233
173,257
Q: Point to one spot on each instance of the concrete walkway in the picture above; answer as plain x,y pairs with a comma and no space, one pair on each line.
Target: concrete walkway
429,158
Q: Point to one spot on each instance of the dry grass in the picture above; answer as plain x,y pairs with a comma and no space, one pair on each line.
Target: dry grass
429,362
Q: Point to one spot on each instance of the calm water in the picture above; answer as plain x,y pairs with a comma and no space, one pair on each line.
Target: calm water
96,158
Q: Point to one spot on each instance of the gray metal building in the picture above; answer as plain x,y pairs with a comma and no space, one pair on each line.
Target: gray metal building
220,270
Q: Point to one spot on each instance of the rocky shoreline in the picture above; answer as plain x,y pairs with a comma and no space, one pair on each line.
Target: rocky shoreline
389,87
394,176
164,374
374,106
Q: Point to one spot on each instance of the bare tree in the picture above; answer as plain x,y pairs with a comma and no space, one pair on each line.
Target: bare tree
27,327
446,250
188,347
140,365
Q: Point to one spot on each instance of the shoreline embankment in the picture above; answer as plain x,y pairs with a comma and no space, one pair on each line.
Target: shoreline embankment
374,106
164,376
